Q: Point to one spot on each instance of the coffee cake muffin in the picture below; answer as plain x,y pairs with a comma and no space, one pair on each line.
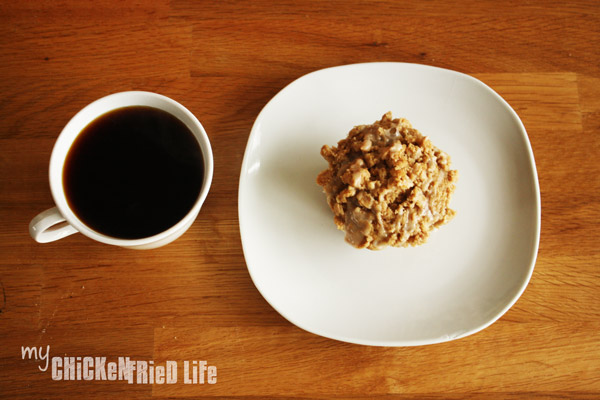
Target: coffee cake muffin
387,185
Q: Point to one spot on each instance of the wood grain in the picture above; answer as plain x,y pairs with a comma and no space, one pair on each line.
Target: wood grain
194,298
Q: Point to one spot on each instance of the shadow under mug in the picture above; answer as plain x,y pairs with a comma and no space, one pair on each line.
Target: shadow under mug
60,221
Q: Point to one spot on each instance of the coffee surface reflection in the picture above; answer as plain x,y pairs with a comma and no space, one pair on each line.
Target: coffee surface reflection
133,172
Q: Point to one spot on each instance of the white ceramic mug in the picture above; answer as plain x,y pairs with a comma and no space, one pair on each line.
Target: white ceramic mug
60,221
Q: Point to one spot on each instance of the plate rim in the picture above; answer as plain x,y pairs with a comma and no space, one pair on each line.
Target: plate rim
398,343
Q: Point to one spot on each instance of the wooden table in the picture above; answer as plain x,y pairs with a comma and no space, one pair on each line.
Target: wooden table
194,299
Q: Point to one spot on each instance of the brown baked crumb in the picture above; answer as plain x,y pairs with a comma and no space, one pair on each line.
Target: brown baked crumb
387,185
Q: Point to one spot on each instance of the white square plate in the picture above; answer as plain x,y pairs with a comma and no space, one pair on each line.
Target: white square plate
469,273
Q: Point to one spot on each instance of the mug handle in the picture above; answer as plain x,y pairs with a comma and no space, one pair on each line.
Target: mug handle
49,226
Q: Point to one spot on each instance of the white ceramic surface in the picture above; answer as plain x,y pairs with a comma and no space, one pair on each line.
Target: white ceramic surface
470,272
60,221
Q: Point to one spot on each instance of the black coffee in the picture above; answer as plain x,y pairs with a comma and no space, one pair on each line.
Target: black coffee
133,172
